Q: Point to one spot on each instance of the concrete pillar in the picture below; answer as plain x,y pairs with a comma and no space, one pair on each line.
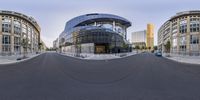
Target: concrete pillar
0,43
12,35
125,34
0,35
178,35
12,44
188,35
21,36
31,40
95,23
170,37
114,26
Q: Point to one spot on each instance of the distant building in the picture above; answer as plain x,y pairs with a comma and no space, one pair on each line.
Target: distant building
150,36
183,33
18,33
145,38
43,46
56,44
139,38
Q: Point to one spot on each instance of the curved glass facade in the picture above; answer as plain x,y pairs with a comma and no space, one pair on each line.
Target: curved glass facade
95,33
183,32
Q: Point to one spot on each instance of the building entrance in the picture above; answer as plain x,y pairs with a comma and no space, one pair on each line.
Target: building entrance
100,48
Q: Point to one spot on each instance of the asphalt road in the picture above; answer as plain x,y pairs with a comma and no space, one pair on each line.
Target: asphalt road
51,76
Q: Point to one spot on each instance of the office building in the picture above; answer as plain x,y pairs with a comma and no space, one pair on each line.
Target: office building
144,38
183,33
95,33
18,33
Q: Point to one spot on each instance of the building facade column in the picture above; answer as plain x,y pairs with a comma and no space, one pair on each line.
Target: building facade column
12,36
21,37
114,26
188,37
31,39
199,44
95,23
0,35
170,38
178,36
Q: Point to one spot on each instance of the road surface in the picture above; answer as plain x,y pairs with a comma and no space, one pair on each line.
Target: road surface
51,76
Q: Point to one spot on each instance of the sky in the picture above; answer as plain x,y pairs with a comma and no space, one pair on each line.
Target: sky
53,14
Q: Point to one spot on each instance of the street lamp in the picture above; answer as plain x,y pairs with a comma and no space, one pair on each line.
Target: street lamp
115,45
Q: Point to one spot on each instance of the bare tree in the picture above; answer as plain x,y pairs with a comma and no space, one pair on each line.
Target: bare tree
24,43
168,46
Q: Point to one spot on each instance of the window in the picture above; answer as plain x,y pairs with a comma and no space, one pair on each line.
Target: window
183,48
17,27
183,40
24,27
183,26
17,40
6,48
6,39
107,25
6,25
174,31
17,48
174,42
194,25
119,28
194,39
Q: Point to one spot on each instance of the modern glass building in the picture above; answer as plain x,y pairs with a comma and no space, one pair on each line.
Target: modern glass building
17,32
95,33
183,33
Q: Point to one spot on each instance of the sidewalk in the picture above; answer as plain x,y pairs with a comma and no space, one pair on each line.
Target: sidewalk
13,59
185,59
88,56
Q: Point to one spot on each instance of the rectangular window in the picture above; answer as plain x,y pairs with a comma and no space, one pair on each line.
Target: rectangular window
6,25
24,28
183,26
194,39
194,25
17,27
17,40
6,39
6,48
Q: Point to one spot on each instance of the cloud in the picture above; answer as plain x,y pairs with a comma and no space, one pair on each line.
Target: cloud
53,14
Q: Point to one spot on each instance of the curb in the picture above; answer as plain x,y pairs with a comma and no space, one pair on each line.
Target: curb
96,59
23,60
181,61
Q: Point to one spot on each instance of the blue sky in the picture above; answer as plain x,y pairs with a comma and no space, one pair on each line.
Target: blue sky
53,14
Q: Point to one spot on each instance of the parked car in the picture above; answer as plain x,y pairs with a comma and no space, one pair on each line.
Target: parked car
158,53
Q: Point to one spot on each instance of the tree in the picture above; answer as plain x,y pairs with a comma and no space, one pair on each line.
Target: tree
24,44
167,47
155,47
137,47
143,47
149,48
40,46
60,47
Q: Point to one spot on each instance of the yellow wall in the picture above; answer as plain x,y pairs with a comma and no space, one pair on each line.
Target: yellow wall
150,36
